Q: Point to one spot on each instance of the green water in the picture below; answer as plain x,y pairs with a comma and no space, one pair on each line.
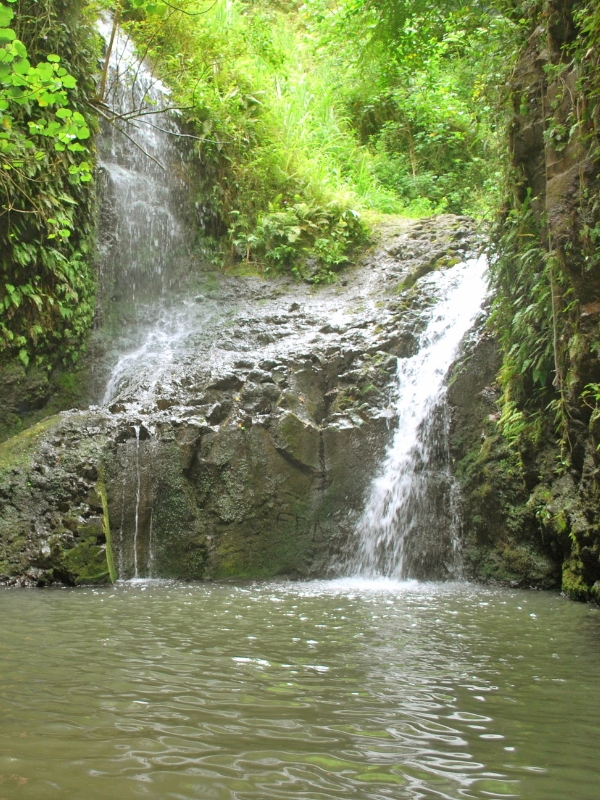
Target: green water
315,691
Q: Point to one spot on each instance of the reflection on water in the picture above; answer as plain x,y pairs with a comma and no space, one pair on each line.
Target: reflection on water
344,689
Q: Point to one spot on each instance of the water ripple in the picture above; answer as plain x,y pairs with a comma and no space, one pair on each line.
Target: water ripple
297,691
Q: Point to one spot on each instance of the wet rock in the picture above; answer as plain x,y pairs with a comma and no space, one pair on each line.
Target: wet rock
230,381
218,412
251,461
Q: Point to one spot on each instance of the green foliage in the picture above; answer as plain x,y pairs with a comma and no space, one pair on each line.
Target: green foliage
333,106
423,83
536,309
47,63
284,178
43,85
532,297
289,231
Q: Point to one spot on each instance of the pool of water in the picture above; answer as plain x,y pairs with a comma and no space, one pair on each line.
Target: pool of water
342,689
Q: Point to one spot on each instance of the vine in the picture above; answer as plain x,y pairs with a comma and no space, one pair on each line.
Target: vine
47,64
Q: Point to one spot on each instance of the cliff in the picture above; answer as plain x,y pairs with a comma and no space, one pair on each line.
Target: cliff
530,473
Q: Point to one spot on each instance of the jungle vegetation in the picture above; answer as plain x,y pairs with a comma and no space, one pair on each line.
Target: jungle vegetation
311,118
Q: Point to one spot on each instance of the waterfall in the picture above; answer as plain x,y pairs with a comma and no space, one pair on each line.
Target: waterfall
408,527
147,221
143,162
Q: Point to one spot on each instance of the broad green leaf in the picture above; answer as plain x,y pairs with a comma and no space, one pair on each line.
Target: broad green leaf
20,48
6,15
22,66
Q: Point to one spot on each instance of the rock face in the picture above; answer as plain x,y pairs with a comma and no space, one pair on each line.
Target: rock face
499,533
241,446
531,499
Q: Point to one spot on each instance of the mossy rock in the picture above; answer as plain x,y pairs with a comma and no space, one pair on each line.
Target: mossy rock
17,451
85,564
573,583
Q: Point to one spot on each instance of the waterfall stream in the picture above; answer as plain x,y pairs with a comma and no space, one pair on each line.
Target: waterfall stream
148,223
155,314
409,525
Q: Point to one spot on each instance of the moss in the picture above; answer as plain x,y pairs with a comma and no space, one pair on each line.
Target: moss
85,563
28,396
573,584
101,489
17,451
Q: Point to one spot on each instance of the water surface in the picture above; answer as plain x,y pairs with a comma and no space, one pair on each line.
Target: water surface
298,691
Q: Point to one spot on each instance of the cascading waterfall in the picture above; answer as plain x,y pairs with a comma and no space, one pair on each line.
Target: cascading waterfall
145,265
146,243
408,528
143,163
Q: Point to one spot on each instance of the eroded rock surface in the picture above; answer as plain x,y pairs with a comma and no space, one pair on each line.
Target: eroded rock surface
239,444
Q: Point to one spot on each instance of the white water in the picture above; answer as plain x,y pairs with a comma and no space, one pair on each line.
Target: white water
146,252
398,502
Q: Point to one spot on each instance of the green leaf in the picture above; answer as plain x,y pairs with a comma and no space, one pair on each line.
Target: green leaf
20,48
7,35
21,67
53,58
6,15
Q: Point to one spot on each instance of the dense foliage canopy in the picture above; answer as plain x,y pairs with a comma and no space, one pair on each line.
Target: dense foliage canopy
311,114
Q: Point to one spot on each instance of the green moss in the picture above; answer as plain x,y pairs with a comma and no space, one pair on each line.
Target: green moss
17,451
573,584
30,395
101,488
85,563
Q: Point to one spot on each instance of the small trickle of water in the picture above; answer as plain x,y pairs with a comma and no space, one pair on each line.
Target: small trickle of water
399,509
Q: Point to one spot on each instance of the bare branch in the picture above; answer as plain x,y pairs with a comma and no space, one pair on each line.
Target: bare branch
111,121
191,13
113,33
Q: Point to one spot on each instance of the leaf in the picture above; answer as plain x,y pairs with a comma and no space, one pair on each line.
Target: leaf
6,15
20,48
21,67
